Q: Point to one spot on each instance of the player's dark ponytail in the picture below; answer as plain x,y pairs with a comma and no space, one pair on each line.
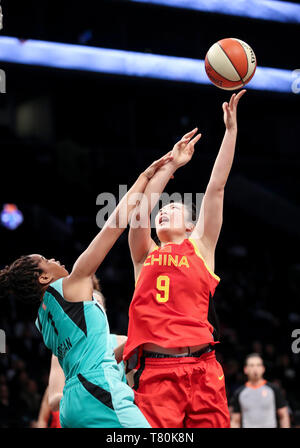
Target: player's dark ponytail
21,280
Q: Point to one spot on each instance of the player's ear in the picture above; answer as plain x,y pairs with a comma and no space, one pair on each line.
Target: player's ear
45,278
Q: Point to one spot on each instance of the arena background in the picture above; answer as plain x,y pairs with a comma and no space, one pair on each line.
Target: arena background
66,136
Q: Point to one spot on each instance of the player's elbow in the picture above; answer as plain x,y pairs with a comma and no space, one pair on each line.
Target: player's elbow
216,186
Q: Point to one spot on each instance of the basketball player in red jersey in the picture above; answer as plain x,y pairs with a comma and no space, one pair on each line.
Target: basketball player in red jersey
178,382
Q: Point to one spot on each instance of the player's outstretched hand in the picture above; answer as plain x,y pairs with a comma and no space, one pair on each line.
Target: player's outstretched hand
155,166
184,149
230,109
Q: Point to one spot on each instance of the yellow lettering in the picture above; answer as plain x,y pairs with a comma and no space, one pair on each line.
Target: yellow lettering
173,260
184,262
145,262
153,260
163,285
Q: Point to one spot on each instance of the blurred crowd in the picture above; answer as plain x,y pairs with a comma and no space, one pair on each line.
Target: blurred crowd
256,309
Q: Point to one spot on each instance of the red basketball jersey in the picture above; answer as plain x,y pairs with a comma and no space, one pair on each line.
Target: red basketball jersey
171,299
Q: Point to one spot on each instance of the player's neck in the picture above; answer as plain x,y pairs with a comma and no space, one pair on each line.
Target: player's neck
173,239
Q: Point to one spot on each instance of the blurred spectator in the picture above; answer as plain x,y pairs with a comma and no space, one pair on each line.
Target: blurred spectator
7,411
30,395
258,403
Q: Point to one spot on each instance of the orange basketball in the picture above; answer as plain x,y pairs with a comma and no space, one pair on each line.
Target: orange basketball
230,64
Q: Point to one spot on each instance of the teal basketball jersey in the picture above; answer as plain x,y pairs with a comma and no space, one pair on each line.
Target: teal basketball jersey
76,332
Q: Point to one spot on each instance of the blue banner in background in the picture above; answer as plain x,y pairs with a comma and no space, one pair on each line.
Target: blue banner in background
128,63
277,11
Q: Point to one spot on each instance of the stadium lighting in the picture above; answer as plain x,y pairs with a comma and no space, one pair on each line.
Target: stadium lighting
277,11
129,63
11,217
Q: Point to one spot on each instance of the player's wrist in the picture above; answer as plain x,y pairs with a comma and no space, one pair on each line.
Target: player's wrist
231,129
173,166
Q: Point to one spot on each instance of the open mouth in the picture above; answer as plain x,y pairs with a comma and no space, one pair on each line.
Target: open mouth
163,219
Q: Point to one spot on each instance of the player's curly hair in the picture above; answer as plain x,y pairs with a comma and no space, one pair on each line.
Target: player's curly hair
21,280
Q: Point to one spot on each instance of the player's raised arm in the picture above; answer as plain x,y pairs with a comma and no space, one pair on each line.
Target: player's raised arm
140,241
92,257
210,219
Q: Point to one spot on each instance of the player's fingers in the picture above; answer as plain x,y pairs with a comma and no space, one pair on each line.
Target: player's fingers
239,96
232,100
183,142
195,139
225,106
167,156
189,134
164,160
159,163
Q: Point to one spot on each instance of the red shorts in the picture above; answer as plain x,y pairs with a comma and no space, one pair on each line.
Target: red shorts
54,423
182,392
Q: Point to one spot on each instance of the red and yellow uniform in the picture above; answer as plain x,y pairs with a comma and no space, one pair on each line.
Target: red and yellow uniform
170,309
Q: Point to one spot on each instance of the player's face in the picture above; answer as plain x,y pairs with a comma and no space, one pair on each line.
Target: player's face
254,369
51,267
171,220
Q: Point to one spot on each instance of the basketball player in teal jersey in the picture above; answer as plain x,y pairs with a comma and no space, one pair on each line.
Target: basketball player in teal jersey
57,377
75,327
